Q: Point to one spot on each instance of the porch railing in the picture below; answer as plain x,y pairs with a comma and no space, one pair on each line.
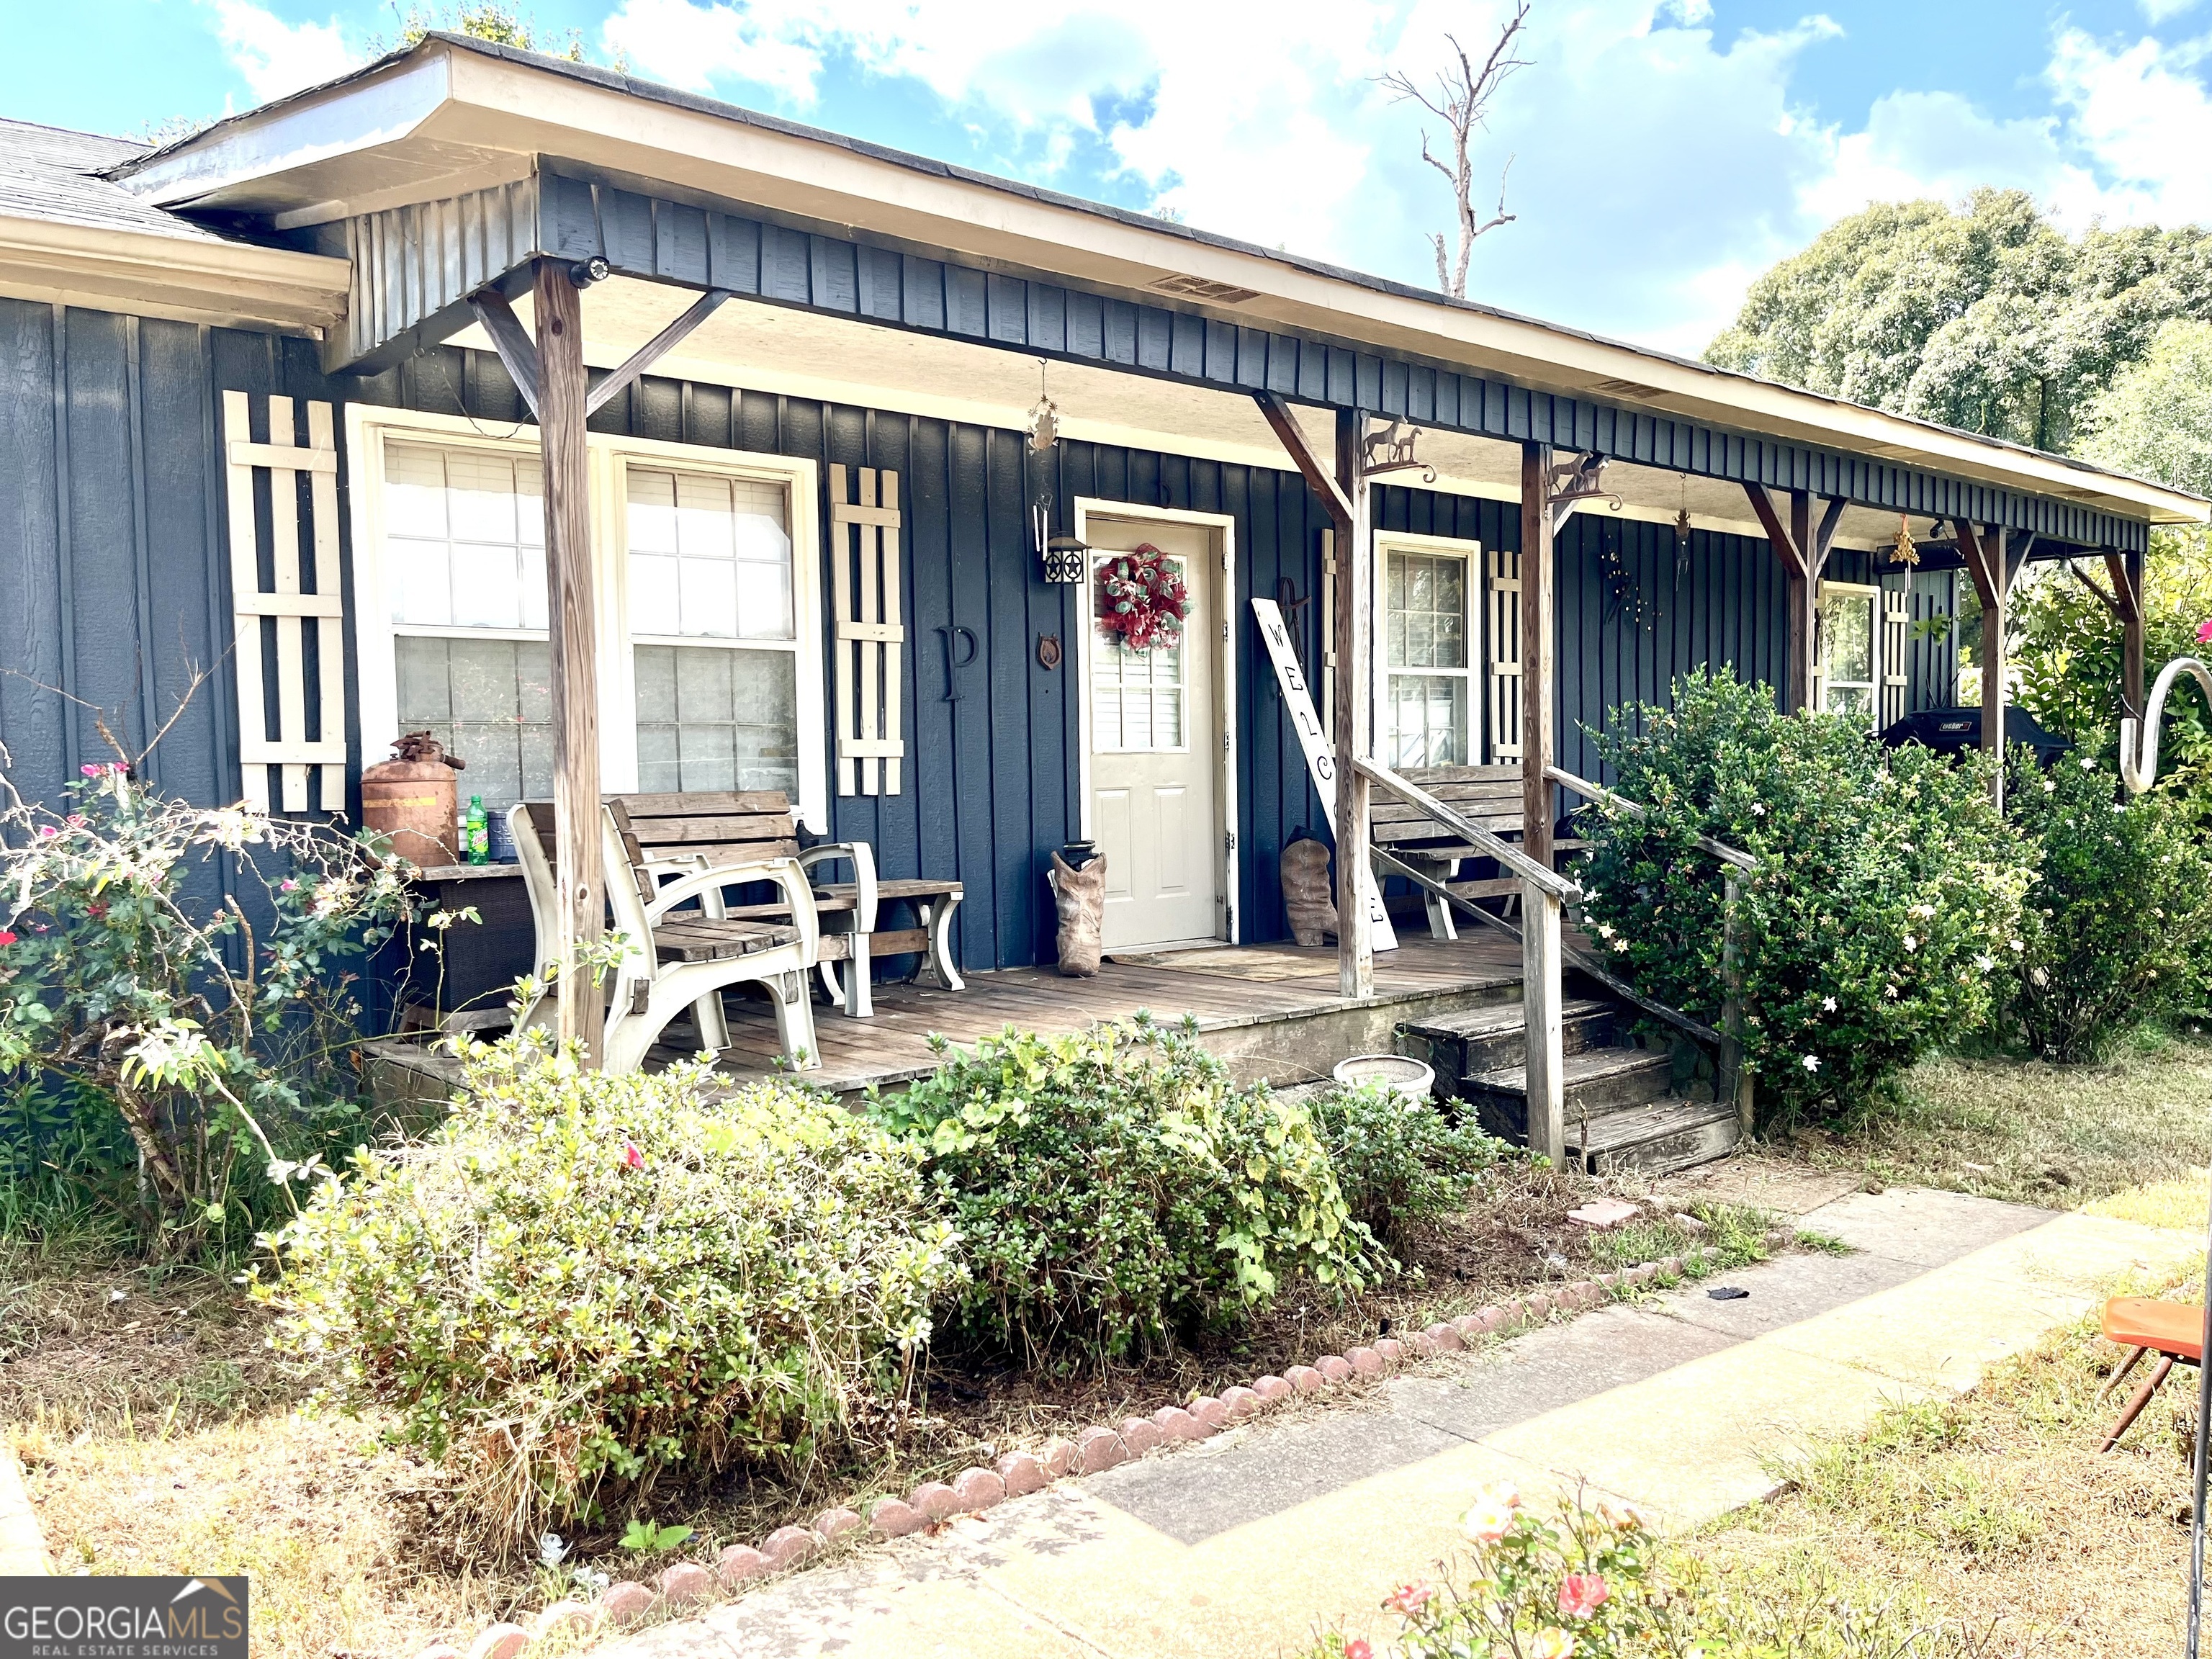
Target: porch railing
1544,893
1735,1084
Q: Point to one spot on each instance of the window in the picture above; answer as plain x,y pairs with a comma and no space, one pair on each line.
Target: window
1847,650
465,549
712,636
710,672
1137,698
1427,646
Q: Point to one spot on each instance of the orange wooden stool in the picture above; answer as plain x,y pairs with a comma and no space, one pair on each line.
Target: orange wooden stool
2141,1325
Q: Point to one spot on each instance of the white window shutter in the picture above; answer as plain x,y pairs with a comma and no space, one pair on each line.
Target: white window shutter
272,735
1894,667
1501,647
864,565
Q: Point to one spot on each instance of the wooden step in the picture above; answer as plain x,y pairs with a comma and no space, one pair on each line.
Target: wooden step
1653,1138
1596,1082
1472,1041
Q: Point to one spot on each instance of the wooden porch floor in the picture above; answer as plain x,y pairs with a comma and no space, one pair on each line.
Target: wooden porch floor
1234,991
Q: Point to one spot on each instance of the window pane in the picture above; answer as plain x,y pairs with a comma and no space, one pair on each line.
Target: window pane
1428,720
1425,620
1847,636
465,535
1138,698
712,718
709,557
491,702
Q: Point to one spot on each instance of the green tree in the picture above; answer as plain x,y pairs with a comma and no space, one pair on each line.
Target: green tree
482,19
1984,317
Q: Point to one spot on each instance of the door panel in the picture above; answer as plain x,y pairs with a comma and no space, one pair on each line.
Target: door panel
1153,726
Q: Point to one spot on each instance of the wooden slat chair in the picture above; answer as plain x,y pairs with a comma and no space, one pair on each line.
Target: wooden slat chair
680,957
1489,796
670,833
2141,1324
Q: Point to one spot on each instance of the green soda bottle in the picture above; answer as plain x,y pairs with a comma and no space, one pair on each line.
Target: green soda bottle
476,833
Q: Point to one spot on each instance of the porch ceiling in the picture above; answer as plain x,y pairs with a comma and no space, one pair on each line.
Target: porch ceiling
771,348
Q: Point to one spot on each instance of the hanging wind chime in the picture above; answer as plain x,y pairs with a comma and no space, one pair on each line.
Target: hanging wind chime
1682,537
1903,552
1063,555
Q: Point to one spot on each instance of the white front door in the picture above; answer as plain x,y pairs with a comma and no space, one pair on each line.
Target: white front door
1154,730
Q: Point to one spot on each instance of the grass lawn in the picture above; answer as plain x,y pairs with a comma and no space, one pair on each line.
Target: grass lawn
1997,1513
2131,1135
159,1435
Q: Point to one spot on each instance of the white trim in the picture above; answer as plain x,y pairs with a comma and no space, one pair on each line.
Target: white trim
1468,551
607,455
1226,847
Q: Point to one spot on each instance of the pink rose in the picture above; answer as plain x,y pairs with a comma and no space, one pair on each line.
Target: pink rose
47,832
1357,1648
7,936
631,1156
2204,632
1407,1599
1580,1595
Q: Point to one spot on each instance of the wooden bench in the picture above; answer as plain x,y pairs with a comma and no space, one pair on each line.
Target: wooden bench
678,953
674,835
1489,796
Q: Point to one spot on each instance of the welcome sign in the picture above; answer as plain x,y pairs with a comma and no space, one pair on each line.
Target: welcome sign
122,1618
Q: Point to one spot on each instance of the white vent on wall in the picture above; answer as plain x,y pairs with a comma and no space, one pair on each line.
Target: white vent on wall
1198,288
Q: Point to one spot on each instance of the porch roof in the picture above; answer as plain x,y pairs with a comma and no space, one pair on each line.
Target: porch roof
448,166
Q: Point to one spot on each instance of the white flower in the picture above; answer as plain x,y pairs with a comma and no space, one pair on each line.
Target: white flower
2088,764
1906,845
1889,990
2049,788
1759,809
1812,1062
2117,807
2039,977
1984,962
1911,943
2017,945
1925,912
1828,1004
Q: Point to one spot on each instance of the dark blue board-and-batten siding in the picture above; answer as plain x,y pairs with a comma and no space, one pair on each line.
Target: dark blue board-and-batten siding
114,588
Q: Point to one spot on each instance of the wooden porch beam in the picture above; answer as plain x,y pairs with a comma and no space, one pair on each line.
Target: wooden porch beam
1984,549
1317,475
511,340
653,350
1355,576
2126,570
1802,547
573,649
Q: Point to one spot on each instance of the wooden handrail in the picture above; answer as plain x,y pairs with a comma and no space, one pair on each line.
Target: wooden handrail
1598,791
1511,857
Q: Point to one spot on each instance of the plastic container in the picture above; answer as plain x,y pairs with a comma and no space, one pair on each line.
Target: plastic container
1416,1079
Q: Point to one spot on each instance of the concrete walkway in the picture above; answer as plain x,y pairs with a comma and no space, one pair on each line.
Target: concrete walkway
1247,1544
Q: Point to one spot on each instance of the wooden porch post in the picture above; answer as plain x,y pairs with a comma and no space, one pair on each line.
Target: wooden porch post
1538,578
2126,570
1987,562
1355,573
572,642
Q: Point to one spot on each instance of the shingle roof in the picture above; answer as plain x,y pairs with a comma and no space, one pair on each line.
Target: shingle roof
50,174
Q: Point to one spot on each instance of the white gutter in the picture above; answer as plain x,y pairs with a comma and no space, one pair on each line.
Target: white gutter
199,279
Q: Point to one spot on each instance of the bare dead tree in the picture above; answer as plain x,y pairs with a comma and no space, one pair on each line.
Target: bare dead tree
1461,103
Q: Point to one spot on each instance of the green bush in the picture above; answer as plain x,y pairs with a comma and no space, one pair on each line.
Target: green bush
2116,921
1115,1188
1887,889
580,1279
1399,1161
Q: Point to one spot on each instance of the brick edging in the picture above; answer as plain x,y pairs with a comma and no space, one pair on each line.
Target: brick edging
1093,1449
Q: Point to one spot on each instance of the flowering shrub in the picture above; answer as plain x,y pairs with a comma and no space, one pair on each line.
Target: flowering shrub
1887,889
128,976
1399,1161
1582,1582
2117,920
580,1280
1115,1186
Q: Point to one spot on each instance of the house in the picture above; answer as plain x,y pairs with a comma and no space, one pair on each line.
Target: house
269,399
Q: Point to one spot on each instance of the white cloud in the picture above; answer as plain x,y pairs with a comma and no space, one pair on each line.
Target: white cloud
276,57
2141,115
2157,11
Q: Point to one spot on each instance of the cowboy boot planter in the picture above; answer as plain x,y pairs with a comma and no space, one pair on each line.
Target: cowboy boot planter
1079,897
1306,901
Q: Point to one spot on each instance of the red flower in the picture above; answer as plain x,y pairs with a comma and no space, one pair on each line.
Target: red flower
1580,1595
7,936
631,1156
1357,1648
1407,1599
2204,632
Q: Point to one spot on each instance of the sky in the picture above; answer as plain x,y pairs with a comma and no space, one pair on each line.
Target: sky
1657,155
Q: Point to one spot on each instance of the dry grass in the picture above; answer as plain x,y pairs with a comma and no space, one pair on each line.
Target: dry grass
2032,1133
1997,1511
159,1434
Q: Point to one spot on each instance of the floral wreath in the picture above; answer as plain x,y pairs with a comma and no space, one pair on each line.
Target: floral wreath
1142,599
